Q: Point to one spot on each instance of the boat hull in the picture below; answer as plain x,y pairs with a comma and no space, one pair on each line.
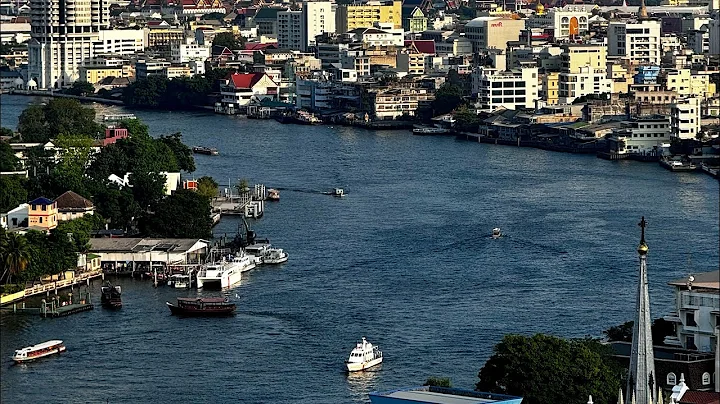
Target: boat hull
274,261
52,352
360,366
223,282
189,311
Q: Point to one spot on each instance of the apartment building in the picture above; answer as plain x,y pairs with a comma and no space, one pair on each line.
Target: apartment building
565,22
290,29
685,118
636,41
584,72
646,135
120,42
685,83
511,89
366,14
318,17
492,32
188,52
393,103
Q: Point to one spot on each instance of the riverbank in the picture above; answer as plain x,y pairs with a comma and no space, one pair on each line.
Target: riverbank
54,94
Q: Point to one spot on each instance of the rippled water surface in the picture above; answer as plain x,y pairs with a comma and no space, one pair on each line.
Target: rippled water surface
405,259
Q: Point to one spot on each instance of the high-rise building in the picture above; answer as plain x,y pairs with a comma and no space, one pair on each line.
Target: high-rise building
63,34
638,41
583,72
290,29
318,17
511,89
364,15
492,32
685,118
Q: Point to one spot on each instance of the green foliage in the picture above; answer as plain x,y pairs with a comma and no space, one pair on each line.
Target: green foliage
75,153
214,77
207,187
40,123
242,186
80,230
447,98
6,132
148,188
183,154
228,40
12,192
50,255
82,88
184,214
438,381
213,16
116,205
161,92
546,369
14,255
623,333
8,160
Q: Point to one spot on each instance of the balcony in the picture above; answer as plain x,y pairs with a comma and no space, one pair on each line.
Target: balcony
673,317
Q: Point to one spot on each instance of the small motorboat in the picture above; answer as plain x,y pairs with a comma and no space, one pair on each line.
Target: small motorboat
363,356
338,192
208,306
274,256
273,195
38,351
111,296
496,233
210,151
179,281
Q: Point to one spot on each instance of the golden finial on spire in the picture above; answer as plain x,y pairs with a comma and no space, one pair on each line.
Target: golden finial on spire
642,248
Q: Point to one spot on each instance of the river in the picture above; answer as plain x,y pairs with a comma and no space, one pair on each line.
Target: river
404,259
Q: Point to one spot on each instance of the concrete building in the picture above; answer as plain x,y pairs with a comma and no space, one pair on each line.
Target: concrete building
714,35
415,22
569,21
392,103
550,89
647,135
696,313
147,67
290,29
73,206
17,217
93,74
373,37
318,17
188,52
685,118
685,83
266,20
492,32
14,32
62,38
638,42
120,42
584,72
366,14
42,214
511,89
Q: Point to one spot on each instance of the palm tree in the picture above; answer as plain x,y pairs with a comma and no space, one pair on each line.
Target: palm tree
15,255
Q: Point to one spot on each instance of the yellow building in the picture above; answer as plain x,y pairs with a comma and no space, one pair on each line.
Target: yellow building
686,83
550,88
42,214
351,16
93,74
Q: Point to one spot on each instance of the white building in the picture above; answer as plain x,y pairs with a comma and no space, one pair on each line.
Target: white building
17,32
120,42
318,17
638,42
685,118
189,51
583,72
374,37
17,217
63,34
511,89
290,29
571,20
697,311
645,135
492,32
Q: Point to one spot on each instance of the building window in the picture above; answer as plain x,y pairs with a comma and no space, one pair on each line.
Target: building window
671,379
690,319
706,379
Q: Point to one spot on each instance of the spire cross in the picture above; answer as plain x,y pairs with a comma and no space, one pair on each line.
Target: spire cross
642,225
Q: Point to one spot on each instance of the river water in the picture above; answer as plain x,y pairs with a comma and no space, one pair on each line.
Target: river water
405,259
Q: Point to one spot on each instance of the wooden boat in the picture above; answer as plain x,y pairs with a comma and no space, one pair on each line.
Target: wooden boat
210,151
111,296
209,306
273,195
38,351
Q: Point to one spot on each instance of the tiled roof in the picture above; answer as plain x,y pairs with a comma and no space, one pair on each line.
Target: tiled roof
267,12
71,200
700,397
245,80
260,46
41,201
423,46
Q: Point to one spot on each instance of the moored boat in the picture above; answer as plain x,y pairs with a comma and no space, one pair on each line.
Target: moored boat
364,356
111,296
179,281
273,195
225,273
274,256
429,130
496,233
209,306
38,351
210,151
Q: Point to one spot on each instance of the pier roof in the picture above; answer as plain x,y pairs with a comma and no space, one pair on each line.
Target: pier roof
440,395
130,245
705,280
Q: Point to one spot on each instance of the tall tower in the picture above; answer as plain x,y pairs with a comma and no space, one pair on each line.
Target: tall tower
642,11
62,36
641,377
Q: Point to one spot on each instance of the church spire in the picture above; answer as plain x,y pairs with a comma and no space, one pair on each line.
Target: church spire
641,381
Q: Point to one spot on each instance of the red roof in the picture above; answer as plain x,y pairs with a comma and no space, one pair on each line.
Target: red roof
423,46
188,3
260,46
700,397
245,80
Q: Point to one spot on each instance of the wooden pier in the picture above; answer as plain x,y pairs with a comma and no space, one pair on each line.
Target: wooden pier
57,308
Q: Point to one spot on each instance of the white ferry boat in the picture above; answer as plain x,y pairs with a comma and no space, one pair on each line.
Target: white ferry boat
225,273
274,256
364,356
257,251
38,351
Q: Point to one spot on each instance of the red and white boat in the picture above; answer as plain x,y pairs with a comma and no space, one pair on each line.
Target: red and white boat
38,351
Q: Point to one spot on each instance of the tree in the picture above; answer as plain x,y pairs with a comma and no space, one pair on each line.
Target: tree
148,188
75,152
82,88
447,98
12,192
40,123
466,120
183,154
80,230
8,160
546,369
6,132
145,93
207,187
622,332
228,40
214,76
438,381
660,329
15,255
184,214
